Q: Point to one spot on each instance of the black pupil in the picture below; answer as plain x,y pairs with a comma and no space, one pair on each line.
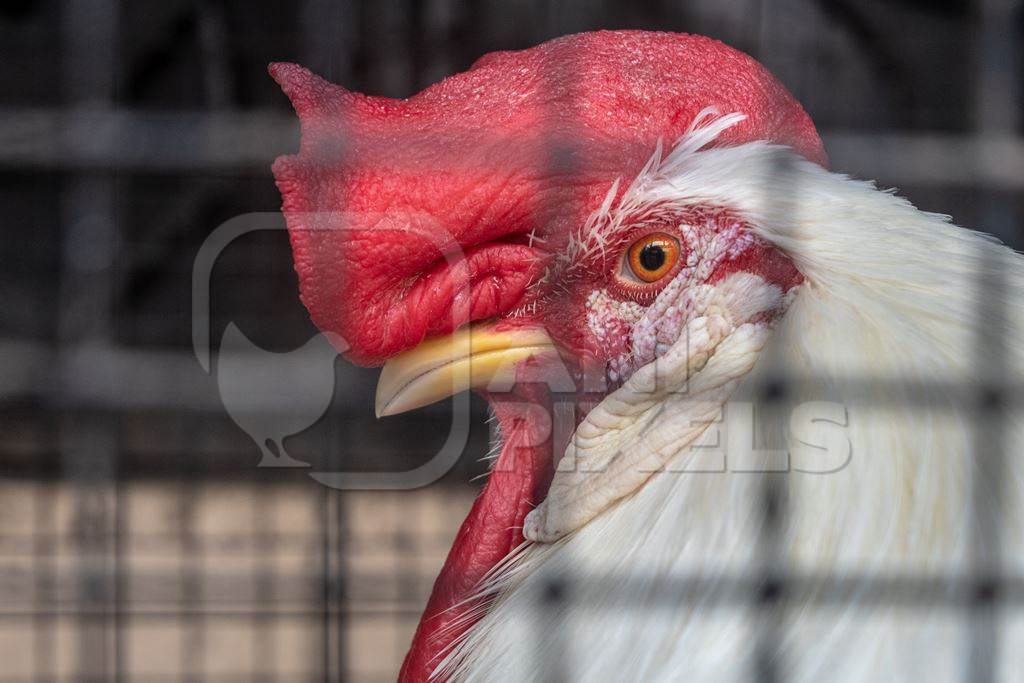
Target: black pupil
652,257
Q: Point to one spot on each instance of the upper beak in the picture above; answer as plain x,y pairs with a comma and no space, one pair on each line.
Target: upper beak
476,356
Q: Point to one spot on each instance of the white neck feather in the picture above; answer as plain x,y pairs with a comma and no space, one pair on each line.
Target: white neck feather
890,304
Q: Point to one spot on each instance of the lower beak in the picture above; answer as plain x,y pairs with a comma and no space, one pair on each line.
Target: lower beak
477,356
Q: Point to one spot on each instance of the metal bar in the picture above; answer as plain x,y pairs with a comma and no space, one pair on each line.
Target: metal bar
997,113
248,141
947,590
89,445
769,600
99,376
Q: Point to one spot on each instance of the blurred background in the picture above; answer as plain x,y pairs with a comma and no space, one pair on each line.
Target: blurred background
139,538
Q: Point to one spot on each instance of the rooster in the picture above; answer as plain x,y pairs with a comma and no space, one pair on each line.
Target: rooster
619,238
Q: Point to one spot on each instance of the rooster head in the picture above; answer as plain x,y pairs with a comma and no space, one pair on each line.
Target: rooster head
520,229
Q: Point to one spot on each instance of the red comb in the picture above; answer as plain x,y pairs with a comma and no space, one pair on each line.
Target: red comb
523,140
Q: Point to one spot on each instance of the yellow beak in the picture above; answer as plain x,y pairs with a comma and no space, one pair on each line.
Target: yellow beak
477,356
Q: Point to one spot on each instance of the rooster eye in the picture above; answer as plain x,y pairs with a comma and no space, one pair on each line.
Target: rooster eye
652,256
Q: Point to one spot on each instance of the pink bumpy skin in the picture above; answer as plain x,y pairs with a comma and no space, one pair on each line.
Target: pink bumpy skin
410,218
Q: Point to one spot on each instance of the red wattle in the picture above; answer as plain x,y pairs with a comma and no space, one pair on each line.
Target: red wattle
518,481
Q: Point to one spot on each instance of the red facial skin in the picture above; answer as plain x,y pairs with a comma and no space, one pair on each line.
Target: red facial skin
410,218
564,313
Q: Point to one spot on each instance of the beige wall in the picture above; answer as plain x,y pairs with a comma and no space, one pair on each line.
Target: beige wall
217,579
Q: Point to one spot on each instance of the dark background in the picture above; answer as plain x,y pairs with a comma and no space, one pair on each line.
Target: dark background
130,130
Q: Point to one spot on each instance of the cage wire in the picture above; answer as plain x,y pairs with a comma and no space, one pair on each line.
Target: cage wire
137,538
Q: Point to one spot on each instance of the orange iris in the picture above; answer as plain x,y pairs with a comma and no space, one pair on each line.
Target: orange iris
652,256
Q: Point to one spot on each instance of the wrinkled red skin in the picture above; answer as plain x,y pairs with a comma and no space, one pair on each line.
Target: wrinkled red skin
493,528
410,218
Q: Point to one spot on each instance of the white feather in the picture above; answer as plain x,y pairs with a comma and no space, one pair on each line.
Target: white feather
891,302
